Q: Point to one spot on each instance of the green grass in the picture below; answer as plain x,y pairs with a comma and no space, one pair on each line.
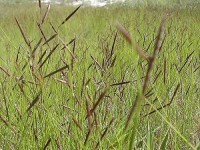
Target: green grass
59,104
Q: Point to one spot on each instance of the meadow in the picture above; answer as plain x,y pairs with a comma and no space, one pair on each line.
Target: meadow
116,77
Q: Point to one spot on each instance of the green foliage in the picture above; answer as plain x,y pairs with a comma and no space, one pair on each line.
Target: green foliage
81,96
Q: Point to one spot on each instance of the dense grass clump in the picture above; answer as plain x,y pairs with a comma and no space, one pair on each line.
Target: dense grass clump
99,78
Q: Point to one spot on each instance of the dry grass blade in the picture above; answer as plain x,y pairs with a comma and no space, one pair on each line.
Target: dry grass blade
77,123
125,33
112,48
41,31
70,42
87,137
6,72
157,77
88,114
96,62
42,56
47,144
120,83
65,46
113,45
36,46
87,82
98,101
104,133
69,16
54,29
46,14
51,38
23,33
40,4
159,40
73,58
48,55
186,60
166,105
196,69
56,71
34,101
158,45
113,62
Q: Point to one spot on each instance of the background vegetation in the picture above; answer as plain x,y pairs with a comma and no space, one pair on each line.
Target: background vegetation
71,82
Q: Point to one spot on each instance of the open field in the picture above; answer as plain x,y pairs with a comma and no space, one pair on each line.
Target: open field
84,81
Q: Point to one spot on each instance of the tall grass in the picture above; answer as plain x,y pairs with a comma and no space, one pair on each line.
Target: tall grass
69,79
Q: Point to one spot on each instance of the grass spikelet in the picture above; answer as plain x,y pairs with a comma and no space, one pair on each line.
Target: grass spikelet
40,4
42,56
46,13
98,102
56,71
52,51
36,46
35,100
23,33
77,124
87,137
54,29
70,15
51,38
121,83
186,60
41,31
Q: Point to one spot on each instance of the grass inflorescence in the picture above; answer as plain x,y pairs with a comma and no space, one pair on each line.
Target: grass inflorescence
101,78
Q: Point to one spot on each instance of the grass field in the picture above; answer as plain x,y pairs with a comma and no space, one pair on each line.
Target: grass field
99,78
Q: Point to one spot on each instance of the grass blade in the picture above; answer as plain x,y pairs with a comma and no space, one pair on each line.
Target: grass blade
34,101
51,38
163,145
52,51
125,33
56,71
98,102
70,15
46,14
47,144
23,33
77,124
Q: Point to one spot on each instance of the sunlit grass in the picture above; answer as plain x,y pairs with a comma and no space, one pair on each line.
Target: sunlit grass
78,95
